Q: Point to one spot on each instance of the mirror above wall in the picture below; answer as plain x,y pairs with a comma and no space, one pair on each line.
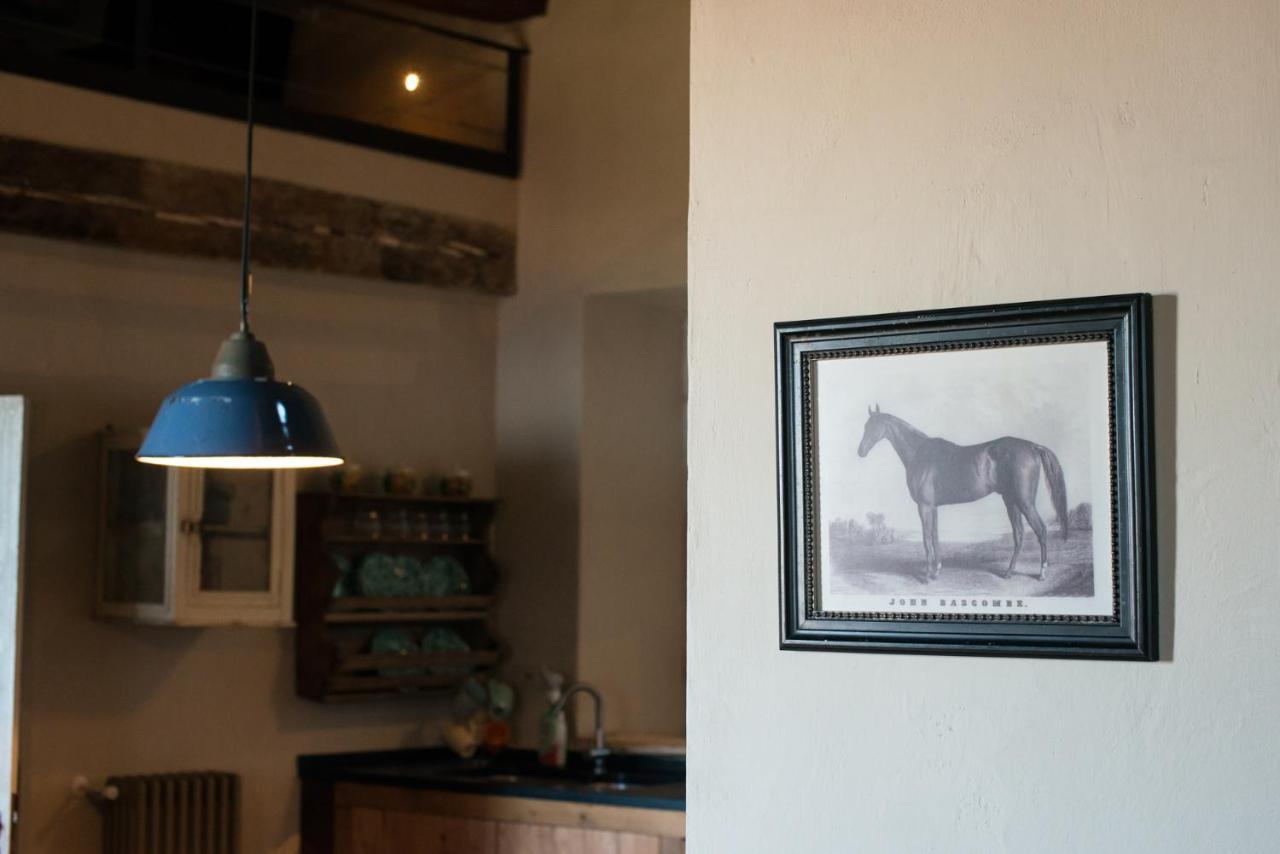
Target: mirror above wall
386,75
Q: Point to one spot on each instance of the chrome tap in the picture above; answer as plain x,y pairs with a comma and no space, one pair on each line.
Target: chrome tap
599,752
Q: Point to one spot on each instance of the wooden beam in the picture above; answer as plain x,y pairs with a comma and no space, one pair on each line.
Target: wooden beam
484,10
149,206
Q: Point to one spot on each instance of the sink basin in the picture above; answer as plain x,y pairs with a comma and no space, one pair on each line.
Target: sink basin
493,778
617,781
629,780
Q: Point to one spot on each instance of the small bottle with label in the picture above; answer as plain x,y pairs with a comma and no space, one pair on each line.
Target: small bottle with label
553,729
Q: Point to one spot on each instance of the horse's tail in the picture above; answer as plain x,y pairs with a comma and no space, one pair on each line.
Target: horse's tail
1057,485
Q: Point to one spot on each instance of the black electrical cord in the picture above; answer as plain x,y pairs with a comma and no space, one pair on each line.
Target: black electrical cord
245,280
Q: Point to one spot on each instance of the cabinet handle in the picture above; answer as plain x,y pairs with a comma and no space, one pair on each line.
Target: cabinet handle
189,526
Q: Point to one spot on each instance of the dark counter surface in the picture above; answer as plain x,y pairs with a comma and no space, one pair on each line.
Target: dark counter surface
644,782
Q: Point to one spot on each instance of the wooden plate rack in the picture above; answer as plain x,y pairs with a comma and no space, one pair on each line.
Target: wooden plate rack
334,663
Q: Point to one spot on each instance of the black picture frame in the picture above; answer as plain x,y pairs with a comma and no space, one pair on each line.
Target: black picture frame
1130,632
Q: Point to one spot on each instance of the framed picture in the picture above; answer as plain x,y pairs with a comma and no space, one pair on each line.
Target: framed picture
969,481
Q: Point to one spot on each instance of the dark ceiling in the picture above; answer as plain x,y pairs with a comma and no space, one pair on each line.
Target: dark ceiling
484,10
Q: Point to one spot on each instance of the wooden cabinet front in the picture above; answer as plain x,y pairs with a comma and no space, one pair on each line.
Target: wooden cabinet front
381,820
372,831
514,838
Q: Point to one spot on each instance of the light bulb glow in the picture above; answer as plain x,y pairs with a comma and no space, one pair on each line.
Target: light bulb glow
411,81
243,462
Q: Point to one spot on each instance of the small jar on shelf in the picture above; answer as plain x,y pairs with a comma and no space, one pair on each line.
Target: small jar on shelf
423,526
367,523
399,525
460,525
440,526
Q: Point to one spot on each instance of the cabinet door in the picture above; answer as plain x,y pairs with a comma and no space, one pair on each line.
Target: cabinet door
518,838
137,534
357,830
416,833
236,552
235,532
362,830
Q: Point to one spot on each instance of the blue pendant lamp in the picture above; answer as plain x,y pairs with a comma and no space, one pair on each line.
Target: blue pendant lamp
241,417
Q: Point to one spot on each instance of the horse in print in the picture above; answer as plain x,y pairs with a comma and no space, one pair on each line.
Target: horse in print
941,472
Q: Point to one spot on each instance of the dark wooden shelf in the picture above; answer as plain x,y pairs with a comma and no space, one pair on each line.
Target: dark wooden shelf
415,661
334,664
352,539
405,499
410,603
356,675
367,693
404,616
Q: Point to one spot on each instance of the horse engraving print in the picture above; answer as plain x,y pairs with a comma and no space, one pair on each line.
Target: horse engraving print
973,480
939,472
974,474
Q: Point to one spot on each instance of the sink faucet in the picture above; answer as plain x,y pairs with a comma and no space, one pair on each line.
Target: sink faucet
599,752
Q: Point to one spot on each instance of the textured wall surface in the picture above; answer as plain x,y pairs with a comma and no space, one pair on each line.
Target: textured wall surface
631,591
94,336
877,156
603,200
65,115
13,458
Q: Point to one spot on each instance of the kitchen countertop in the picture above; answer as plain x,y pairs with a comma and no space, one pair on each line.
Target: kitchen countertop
650,782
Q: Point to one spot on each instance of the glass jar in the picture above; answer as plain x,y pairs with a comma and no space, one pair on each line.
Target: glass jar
460,525
399,525
367,524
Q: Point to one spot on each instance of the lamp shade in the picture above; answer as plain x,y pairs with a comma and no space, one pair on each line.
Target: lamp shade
240,423
241,417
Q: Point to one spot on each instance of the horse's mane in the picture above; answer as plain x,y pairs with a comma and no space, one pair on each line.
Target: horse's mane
914,432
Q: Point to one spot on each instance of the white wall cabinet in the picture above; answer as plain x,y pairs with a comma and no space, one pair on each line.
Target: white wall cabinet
193,547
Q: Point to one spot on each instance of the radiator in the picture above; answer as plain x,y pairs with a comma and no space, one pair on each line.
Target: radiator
197,812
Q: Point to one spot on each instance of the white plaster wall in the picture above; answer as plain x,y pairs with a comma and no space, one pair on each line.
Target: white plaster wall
13,463
95,336
603,201
891,155
631,591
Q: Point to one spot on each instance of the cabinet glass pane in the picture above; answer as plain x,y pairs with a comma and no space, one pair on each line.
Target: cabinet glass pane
133,559
235,549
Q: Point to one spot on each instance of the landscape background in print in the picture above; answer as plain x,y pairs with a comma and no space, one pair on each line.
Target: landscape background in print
872,556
